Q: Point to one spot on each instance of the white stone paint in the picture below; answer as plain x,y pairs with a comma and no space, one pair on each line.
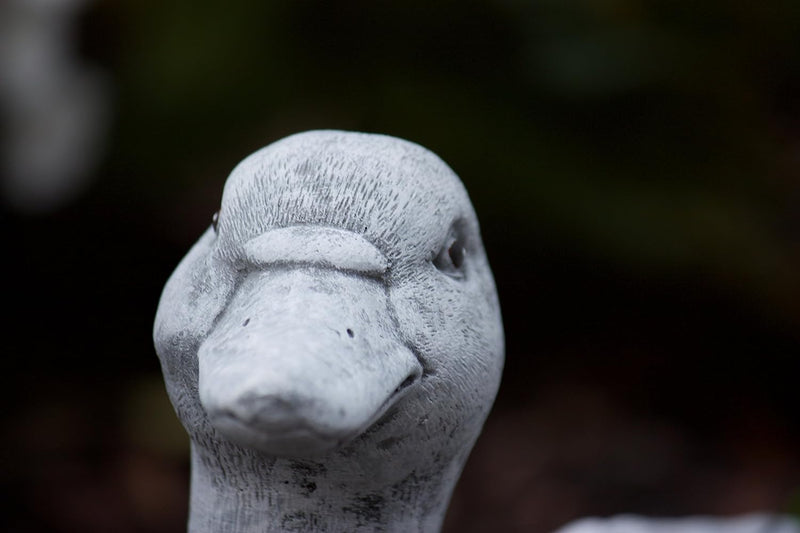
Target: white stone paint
752,523
332,359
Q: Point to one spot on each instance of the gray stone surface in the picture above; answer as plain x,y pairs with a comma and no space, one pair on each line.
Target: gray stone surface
334,343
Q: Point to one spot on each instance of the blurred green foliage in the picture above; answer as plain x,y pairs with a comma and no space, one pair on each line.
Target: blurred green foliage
660,135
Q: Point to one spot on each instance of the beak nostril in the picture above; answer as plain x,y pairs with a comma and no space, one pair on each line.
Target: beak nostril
350,333
246,322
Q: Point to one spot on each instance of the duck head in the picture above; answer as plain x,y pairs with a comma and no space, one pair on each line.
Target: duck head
340,309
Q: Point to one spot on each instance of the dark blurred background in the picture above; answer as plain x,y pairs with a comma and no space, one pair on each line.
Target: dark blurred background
635,166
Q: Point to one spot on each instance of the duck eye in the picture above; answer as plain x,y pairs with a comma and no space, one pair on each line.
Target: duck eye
456,254
215,221
450,258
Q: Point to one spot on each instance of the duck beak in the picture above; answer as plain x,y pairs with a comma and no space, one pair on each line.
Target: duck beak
302,360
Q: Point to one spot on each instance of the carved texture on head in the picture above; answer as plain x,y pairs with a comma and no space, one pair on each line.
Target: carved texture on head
438,296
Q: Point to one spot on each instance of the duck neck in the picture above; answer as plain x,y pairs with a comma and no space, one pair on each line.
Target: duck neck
239,491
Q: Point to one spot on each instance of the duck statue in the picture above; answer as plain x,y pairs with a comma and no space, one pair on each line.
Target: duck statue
333,342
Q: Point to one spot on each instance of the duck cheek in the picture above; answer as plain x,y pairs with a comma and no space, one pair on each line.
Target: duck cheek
456,329
183,323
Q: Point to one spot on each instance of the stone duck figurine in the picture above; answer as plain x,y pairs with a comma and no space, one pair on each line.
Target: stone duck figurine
333,343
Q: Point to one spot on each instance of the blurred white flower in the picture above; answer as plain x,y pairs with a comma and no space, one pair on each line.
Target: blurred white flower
752,523
56,108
